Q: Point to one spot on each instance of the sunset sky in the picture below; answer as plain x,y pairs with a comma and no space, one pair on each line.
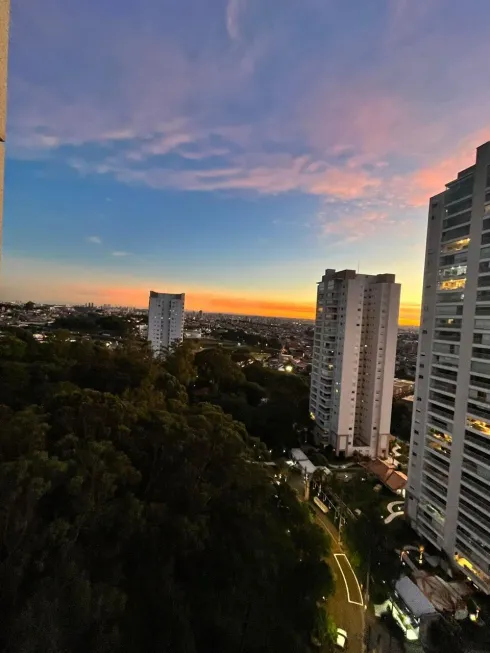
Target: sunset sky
233,149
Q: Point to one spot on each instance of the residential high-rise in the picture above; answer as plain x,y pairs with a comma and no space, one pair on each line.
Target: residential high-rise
353,366
165,321
448,494
4,40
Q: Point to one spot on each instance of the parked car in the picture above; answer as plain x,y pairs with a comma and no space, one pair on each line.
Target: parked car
341,640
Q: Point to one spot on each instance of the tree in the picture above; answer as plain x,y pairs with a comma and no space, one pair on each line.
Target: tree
134,519
28,306
401,419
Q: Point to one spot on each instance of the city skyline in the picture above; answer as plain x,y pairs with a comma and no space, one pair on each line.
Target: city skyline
232,151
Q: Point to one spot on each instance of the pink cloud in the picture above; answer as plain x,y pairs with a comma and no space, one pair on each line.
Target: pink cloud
353,224
265,174
430,180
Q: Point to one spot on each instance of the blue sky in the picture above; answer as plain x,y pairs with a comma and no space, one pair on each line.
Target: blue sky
233,149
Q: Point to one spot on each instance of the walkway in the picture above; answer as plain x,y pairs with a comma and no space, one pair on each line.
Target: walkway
346,605
394,510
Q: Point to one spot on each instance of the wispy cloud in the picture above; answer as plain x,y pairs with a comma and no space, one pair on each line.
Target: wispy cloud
96,240
352,223
233,9
323,109
120,253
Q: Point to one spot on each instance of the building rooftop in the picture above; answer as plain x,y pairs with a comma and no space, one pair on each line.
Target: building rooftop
413,597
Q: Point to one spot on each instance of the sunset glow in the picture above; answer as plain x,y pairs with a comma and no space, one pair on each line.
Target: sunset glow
232,151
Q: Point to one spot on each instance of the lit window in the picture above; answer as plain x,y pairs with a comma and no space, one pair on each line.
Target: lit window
452,284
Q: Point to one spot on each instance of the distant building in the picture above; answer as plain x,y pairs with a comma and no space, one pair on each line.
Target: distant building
165,321
449,470
353,364
402,388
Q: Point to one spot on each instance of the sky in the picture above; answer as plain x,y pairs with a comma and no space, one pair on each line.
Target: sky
233,149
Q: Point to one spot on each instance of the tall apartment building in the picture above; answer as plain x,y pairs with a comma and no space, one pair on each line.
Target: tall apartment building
165,321
448,495
4,39
354,361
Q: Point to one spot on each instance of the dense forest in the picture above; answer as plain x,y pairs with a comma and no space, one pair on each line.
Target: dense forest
137,514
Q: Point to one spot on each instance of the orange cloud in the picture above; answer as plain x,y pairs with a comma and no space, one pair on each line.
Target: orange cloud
431,180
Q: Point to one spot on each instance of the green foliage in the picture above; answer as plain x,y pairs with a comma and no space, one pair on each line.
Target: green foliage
136,520
252,339
94,323
272,405
401,419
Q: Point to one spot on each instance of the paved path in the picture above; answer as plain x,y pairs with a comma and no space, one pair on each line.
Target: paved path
392,512
346,605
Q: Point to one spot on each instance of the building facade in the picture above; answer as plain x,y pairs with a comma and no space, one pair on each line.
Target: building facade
353,367
448,492
165,321
4,40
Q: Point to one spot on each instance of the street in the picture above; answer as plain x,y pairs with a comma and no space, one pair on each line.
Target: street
346,605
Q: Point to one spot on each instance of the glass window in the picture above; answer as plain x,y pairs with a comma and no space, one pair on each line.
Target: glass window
456,246
451,284
455,233
457,220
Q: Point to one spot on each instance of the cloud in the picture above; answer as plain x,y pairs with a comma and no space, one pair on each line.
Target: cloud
170,100
120,253
96,240
352,223
233,10
262,174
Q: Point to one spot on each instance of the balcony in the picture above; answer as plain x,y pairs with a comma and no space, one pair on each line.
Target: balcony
447,336
442,386
433,472
477,456
473,550
480,354
477,473
473,492
473,512
439,460
480,579
450,298
432,485
458,246
484,281
475,528
442,412
452,284
447,350
445,374
425,530
432,498
479,411
474,543
480,368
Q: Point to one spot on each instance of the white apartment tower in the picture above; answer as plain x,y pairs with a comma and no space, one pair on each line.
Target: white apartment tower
354,355
165,321
448,495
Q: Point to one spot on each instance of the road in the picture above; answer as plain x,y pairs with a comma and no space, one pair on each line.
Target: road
346,605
